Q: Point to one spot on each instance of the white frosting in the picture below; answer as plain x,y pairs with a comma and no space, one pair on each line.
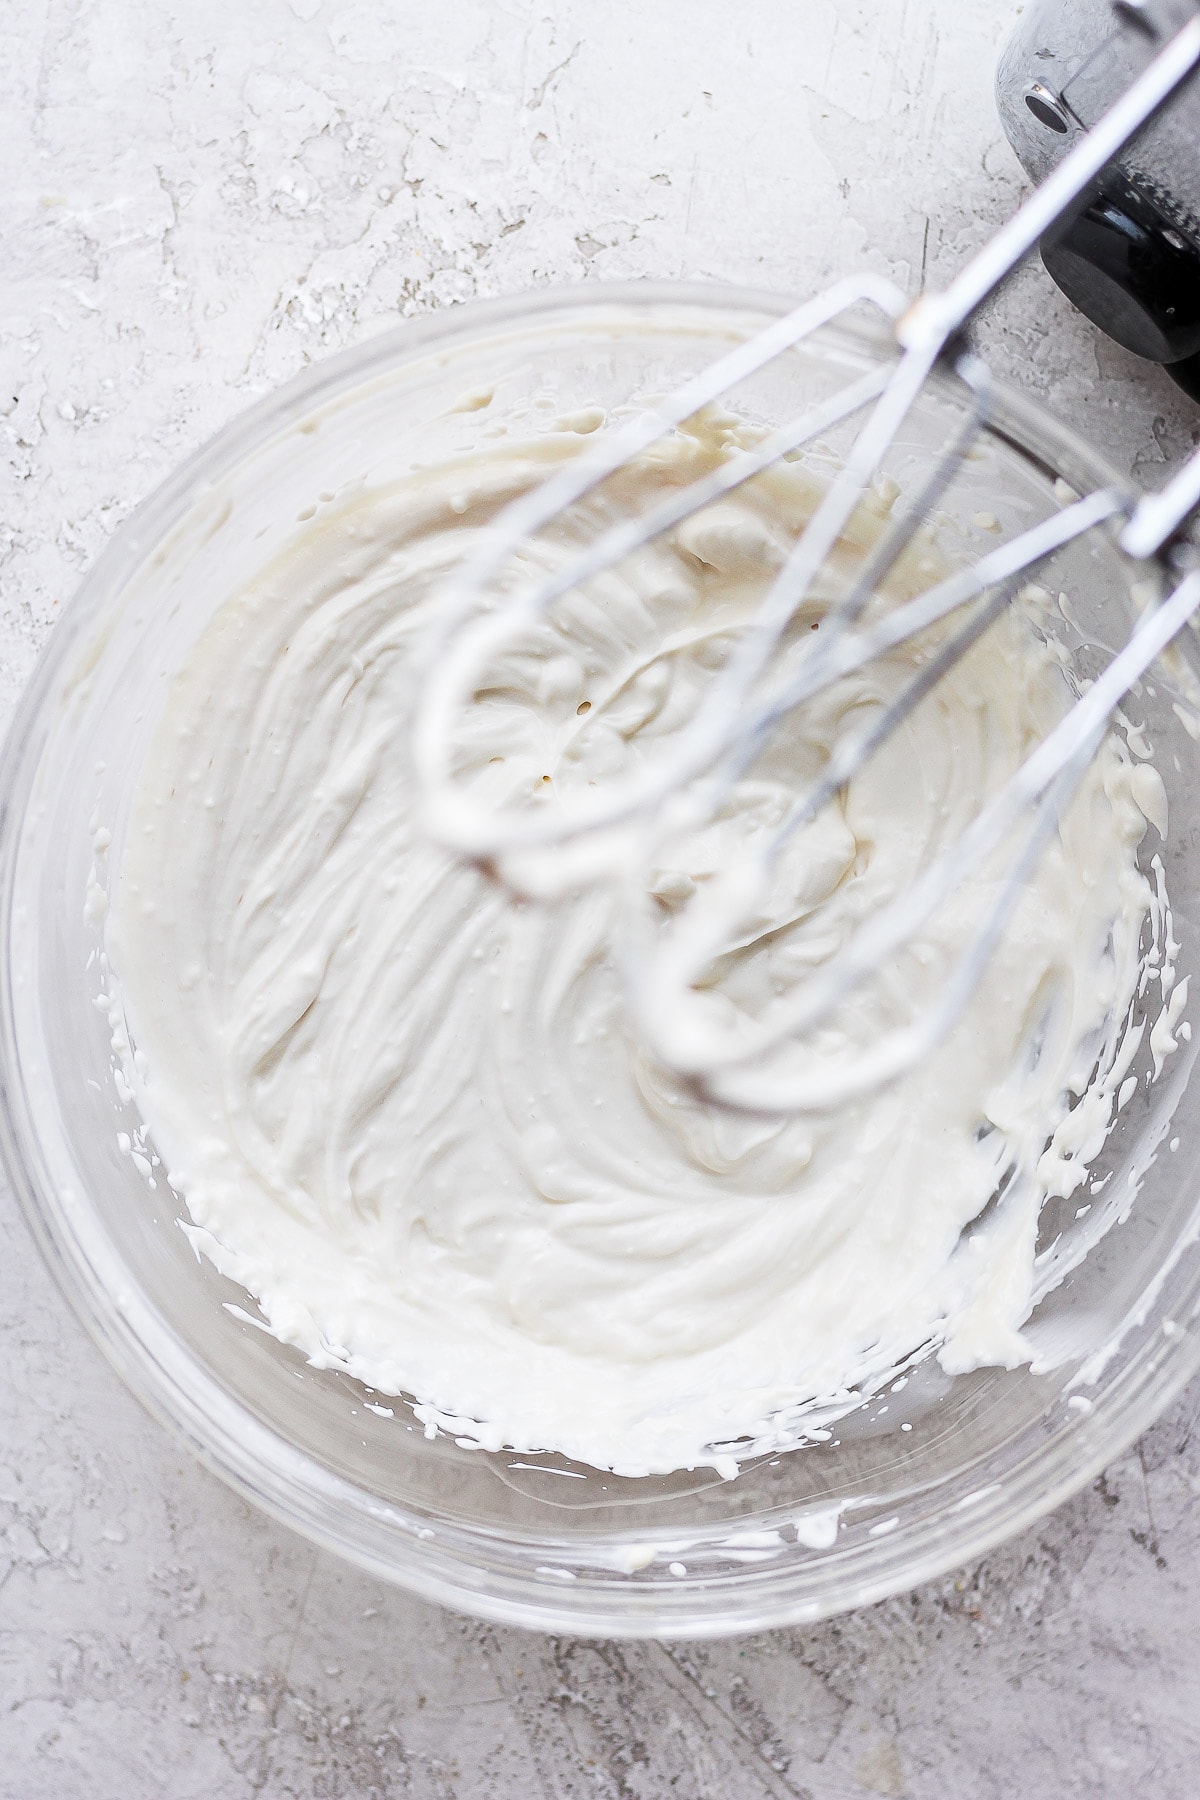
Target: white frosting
411,1114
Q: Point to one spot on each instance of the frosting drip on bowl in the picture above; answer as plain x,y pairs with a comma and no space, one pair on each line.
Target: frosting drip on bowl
410,1113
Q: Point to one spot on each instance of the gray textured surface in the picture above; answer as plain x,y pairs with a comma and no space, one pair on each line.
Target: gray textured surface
196,200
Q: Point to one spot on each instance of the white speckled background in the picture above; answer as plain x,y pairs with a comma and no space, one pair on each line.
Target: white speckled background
196,200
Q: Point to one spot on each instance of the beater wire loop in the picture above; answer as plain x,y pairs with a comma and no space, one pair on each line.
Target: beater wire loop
663,983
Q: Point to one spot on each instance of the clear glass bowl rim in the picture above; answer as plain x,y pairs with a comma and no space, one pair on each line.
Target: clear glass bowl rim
492,1575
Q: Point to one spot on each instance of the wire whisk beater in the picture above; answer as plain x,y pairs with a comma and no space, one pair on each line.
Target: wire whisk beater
619,829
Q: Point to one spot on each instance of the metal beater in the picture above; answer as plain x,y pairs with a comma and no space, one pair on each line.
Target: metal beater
550,850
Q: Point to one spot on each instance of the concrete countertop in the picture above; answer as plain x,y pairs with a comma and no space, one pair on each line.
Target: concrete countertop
197,200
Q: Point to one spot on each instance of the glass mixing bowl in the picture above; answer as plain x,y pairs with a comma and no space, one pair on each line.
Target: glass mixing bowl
532,1540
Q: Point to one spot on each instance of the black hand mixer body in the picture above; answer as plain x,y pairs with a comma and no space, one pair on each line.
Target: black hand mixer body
1129,255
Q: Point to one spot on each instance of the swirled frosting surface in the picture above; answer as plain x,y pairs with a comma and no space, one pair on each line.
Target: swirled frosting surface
410,1114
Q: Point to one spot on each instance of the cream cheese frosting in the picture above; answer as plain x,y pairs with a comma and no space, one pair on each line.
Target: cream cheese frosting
413,1114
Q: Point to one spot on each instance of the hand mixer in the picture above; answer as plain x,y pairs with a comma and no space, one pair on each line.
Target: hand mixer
550,849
